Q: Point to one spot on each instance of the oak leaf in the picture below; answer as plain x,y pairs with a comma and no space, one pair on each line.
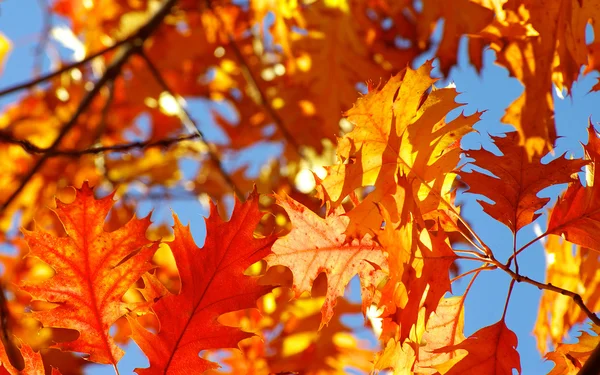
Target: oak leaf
317,245
399,131
492,350
516,180
576,215
93,270
212,283
570,358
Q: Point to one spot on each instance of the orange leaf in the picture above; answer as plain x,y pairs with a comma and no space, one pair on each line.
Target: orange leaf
318,245
93,269
517,180
32,362
492,350
212,283
570,358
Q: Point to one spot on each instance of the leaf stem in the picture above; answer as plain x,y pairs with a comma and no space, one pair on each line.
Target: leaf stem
510,288
525,247
485,267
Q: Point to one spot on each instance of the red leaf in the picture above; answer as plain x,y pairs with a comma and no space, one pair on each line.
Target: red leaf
212,283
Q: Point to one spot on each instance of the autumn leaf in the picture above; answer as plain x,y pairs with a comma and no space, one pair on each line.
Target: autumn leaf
576,215
31,361
93,270
462,17
572,268
492,350
317,245
399,132
570,358
516,180
5,47
419,264
212,283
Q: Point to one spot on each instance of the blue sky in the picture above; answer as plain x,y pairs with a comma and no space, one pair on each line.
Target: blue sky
491,91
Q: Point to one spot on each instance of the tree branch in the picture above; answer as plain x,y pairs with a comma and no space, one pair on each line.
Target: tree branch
189,122
576,297
66,68
133,45
33,149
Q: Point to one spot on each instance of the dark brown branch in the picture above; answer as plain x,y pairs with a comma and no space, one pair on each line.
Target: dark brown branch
133,45
574,296
33,149
194,128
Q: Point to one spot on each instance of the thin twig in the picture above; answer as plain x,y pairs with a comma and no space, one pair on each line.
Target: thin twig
134,44
485,267
33,149
576,297
66,68
188,120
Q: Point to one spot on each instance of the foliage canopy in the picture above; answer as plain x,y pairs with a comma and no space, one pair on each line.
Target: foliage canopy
364,186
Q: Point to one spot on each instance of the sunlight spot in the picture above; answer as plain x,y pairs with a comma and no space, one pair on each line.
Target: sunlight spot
151,102
219,52
374,316
280,220
88,4
550,258
269,304
305,181
277,103
62,94
320,171
76,74
65,36
308,108
279,69
346,125
168,104
304,62
267,74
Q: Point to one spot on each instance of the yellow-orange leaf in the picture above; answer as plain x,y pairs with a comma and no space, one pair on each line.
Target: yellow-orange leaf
93,269
570,358
400,131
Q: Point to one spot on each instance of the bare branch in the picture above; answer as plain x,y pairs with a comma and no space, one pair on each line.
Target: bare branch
195,128
33,149
133,45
